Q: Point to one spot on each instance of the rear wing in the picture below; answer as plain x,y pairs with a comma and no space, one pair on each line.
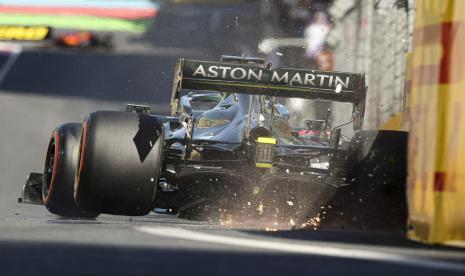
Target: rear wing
279,82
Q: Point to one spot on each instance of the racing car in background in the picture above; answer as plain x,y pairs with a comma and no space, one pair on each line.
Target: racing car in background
83,40
229,140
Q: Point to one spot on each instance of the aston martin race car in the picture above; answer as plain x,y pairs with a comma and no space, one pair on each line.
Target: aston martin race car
230,142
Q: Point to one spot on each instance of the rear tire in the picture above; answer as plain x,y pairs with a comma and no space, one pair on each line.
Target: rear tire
119,163
375,198
60,170
381,155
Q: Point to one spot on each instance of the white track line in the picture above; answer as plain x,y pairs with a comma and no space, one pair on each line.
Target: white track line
283,246
14,50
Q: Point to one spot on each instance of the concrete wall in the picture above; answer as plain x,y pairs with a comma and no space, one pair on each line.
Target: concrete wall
373,36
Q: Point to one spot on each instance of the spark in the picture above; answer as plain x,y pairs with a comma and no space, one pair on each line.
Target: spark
313,222
228,221
260,208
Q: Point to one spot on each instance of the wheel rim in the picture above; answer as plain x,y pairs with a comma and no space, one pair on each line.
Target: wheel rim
51,164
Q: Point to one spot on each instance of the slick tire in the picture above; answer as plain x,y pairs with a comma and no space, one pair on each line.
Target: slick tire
381,155
60,171
119,163
375,197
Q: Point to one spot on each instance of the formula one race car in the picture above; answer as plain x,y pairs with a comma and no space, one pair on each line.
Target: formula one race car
83,39
230,138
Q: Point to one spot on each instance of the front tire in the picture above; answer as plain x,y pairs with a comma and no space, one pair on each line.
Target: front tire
59,172
119,163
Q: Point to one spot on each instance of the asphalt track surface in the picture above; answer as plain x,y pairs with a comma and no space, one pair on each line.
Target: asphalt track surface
44,89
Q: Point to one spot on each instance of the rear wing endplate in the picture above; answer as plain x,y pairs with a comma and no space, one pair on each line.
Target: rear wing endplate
279,82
